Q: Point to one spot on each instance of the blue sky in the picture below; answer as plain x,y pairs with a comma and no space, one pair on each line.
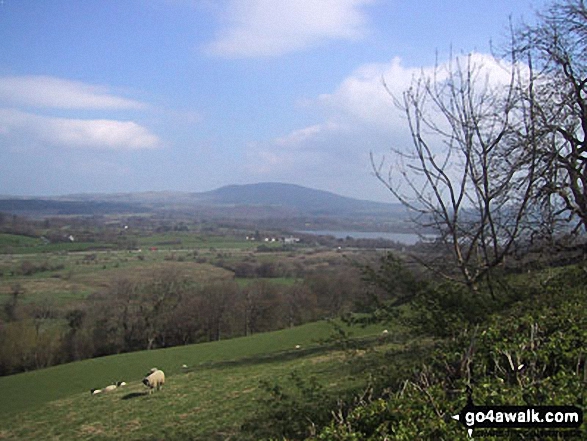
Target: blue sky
190,95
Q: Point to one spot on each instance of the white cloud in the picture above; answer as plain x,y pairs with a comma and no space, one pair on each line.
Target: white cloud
262,28
20,127
362,97
366,97
359,117
51,92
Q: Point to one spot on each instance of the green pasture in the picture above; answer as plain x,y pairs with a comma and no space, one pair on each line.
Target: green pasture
17,244
216,391
281,281
30,389
18,241
187,240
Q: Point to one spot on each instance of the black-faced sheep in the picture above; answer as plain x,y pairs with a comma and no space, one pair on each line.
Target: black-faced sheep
155,379
108,388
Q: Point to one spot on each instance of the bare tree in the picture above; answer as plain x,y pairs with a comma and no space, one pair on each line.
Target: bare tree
557,46
161,297
463,176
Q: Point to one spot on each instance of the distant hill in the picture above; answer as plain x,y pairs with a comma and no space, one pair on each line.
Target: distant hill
296,198
251,201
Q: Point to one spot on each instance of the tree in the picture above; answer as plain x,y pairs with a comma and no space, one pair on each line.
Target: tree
300,304
260,305
75,346
464,176
557,48
160,298
215,299
11,307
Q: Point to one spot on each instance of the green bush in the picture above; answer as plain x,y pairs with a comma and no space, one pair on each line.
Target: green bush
532,354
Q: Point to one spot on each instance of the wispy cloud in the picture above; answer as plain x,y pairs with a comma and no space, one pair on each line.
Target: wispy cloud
298,137
19,126
50,92
264,28
22,127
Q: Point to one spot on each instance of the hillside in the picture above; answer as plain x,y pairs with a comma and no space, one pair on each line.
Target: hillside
209,399
295,198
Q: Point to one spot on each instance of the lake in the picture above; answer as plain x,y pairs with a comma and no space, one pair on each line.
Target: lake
404,238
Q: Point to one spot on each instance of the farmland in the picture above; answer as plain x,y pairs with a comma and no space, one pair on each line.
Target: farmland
258,338
56,272
67,282
219,390
63,280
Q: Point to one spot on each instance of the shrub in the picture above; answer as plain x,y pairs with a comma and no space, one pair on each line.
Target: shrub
532,354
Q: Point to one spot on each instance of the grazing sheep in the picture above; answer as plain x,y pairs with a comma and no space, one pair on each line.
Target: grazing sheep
298,347
155,379
110,388
185,366
121,383
95,391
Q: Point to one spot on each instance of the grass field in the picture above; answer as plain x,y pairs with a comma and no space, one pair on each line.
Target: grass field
188,240
211,398
64,272
208,400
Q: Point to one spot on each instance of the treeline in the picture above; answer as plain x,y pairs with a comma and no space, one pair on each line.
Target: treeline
168,309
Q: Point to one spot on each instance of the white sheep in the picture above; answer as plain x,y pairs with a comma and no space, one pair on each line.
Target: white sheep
155,379
95,391
110,388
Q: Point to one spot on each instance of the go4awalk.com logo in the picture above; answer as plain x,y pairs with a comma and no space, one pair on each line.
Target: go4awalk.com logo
519,417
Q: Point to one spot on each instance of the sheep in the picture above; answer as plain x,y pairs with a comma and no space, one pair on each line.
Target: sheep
382,338
298,347
155,379
110,388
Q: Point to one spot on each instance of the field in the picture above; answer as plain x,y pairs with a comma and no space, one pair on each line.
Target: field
68,271
43,282
209,399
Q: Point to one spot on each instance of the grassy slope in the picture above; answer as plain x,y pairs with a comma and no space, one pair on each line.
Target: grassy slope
221,379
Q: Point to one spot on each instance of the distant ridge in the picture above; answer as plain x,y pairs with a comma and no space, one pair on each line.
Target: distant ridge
267,199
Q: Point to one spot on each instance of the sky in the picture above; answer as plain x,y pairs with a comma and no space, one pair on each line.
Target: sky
110,96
